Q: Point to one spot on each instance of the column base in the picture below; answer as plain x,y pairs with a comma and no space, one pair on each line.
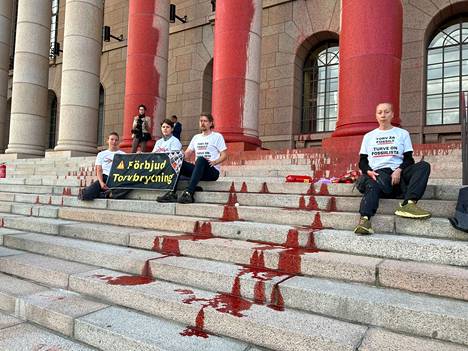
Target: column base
17,156
126,145
341,146
241,146
67,154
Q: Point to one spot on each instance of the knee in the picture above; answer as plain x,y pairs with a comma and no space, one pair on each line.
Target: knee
424,166
372,186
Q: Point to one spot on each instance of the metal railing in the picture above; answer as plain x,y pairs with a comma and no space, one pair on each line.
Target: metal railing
464,134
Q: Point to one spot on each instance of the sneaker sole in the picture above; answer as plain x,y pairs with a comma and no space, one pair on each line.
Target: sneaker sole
411,215
363,232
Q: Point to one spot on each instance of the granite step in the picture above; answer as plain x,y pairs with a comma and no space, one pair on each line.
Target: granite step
223,314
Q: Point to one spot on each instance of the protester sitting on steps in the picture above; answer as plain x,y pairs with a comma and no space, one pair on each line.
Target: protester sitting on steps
168,142
388,168
210,151
103,166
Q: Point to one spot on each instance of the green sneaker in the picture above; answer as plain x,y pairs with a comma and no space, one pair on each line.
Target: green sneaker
412,210
364,227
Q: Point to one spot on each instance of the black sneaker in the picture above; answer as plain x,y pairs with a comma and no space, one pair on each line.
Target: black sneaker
185,198
170,196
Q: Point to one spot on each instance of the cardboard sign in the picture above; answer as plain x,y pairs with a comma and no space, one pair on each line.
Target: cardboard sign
145,171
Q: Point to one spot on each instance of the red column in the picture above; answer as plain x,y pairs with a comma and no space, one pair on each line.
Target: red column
370,63
236,71
147,55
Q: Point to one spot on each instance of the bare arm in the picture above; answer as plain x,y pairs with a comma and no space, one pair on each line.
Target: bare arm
188,153
222,157
100,177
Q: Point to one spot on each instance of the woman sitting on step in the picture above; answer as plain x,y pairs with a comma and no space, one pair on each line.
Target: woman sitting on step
388,168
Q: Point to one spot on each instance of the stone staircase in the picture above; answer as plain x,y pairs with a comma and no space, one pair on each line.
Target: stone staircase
281,270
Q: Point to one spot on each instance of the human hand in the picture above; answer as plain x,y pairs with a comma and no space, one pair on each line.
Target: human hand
396,176
373,175
103,186
212,163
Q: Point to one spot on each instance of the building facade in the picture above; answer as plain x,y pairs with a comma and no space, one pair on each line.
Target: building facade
289,73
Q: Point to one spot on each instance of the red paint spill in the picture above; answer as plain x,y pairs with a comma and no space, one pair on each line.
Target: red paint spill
324,189
292,239
236,289
312,205
264,189
199,326
276,299
302,204
232,189
230,214
259,292
257,260
317,223
243,188
331,206
311,190
37,200
125,279
232,200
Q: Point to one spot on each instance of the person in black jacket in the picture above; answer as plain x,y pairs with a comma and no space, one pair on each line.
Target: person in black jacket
177,127
388,168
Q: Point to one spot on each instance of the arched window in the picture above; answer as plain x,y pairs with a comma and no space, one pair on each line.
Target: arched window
100,131
52,120
207,87
320,90
447,72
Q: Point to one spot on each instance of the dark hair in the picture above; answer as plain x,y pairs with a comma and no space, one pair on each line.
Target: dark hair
169,122
210,118
174,116
142,106
113,133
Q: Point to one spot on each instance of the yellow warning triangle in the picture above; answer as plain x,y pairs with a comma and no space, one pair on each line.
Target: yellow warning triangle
121,165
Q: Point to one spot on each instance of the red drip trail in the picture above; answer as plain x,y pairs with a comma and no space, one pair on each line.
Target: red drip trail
311,190
312,205
125,279
37,200
264,189
169,244
317,223
331,206
199,326
232,189
324,189
243,188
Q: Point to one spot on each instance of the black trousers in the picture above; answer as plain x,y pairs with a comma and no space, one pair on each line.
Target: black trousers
413,183
201,170
94,191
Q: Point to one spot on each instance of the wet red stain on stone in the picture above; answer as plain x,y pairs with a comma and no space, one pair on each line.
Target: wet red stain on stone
324,189
232,200
125,279
230,214
264,189
317,223
232,189
243,188
331,205
276,299
199,326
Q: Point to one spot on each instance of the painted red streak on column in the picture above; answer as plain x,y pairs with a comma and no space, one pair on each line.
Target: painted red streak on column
243,188
125,279
233,25
142,78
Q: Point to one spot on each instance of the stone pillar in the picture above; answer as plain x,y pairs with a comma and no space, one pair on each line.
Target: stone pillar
370,63
5,36
236,71
147,61
79,101
30,79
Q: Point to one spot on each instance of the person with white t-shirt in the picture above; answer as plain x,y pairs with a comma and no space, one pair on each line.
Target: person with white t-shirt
168,142
388,168
103,167
210,151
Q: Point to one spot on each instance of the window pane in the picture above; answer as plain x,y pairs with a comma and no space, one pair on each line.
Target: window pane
434,102
321,73
465,67
465,84
451,100
332,72
438,40
451,84
434,117
332,99
434,86
452,53
452,69
333,84
321,99
451,116
434,71
434,56
465,51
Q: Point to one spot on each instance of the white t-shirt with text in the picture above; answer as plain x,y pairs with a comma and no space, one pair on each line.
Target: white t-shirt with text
171,144
105,158
208,146
385,148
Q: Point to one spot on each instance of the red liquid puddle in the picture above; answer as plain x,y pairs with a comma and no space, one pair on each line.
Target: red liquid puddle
264,189
331,206
169,244
125,279
243,188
